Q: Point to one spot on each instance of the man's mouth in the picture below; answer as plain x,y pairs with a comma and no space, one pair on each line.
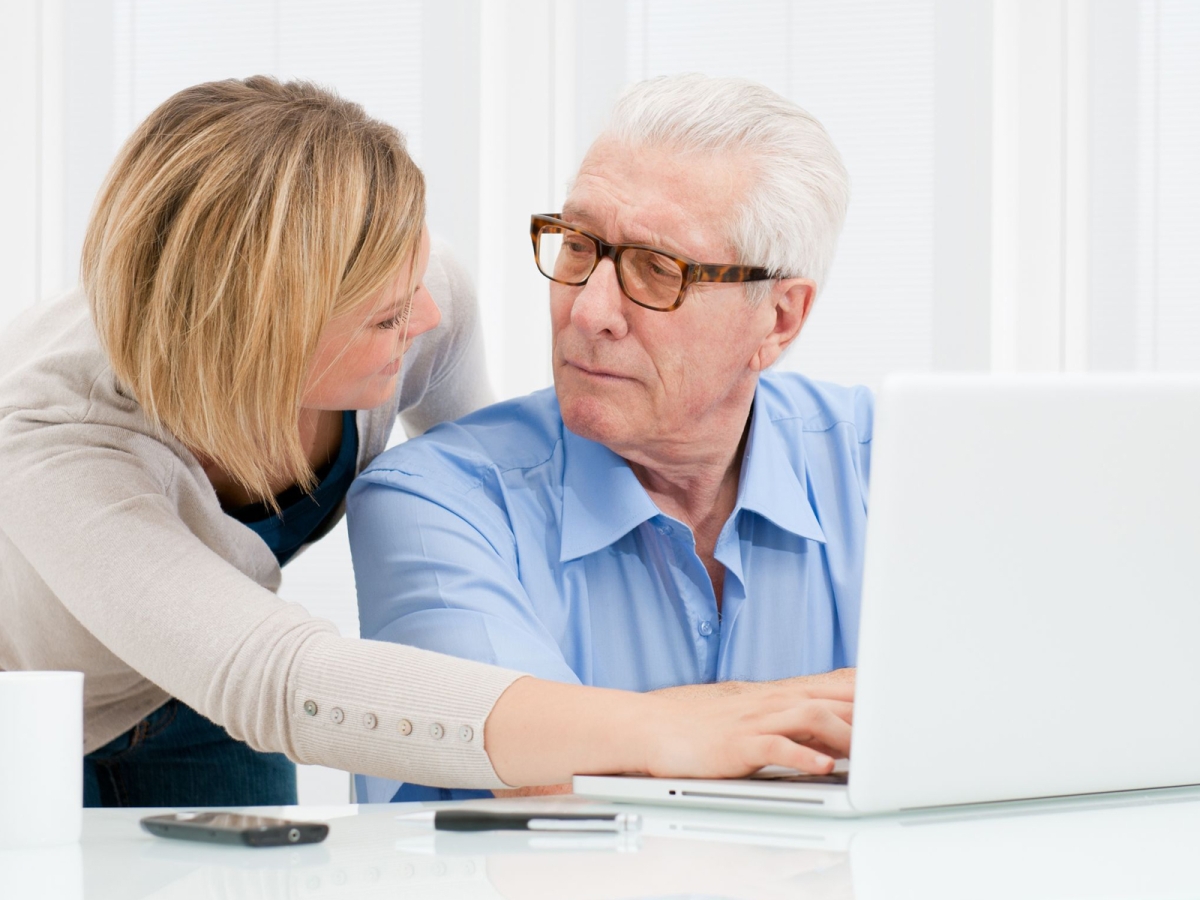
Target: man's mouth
596,371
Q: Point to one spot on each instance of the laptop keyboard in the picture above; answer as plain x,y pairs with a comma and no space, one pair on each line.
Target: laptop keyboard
789,778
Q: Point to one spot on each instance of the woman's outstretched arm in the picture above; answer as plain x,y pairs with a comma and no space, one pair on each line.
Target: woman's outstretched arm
543,732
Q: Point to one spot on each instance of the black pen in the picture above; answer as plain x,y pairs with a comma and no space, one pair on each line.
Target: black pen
484,820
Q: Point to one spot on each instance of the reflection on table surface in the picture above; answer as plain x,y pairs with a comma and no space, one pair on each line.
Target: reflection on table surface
1141,844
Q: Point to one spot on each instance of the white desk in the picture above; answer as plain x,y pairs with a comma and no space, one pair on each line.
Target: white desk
1145,845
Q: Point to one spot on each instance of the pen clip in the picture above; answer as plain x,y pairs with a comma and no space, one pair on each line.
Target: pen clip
618,822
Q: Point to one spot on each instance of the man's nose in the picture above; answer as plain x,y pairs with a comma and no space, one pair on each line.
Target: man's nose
600,306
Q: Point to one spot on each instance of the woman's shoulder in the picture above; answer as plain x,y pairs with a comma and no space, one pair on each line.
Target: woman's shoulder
50,357
53,369
448,280
444,375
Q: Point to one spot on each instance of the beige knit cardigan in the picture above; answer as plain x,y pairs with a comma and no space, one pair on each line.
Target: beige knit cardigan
117,560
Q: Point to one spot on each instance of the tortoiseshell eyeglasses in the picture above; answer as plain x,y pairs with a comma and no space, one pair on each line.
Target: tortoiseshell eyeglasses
648,276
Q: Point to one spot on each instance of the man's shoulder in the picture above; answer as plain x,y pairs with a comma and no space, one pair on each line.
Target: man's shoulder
518,434
818,406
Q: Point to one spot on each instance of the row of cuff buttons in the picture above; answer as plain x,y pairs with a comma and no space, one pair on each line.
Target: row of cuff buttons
370,721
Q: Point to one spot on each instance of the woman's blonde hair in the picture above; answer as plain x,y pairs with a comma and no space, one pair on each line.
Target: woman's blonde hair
236,221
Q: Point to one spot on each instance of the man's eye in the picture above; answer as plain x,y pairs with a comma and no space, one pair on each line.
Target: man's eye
577,246
654,268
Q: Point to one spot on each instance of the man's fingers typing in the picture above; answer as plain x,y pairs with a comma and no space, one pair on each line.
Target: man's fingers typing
776,750
814,723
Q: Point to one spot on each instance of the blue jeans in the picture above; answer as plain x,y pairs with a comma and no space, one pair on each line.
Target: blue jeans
176,757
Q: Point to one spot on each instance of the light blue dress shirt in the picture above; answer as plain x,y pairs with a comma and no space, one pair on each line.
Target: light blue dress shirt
505,538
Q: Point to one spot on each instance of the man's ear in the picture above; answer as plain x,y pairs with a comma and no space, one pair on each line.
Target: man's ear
791,300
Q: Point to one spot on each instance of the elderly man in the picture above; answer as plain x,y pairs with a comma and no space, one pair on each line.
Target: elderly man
671,513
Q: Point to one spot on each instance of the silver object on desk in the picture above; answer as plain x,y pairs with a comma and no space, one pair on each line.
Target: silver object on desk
1030,589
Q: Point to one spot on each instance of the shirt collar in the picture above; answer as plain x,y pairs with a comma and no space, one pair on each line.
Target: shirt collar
602,499
772,485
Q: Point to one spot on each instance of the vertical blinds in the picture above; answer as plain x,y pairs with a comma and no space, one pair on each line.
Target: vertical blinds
369,51
1168,209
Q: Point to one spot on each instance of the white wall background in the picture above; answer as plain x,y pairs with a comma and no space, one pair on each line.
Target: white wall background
1025,193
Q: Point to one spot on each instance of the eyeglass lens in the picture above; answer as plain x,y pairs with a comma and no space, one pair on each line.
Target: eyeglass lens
648,277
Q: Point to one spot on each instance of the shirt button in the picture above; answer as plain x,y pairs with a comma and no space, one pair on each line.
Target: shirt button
370,721
310,707
466,733
405,727
436,731
705,628
665,529
337,715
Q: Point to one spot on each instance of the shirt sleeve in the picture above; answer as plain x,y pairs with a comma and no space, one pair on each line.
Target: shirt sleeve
446,376
436,568
864,402
92,512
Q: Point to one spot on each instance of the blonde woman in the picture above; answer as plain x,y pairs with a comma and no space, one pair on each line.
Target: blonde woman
254,275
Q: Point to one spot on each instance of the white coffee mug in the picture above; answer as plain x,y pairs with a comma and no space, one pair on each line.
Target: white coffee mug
41,758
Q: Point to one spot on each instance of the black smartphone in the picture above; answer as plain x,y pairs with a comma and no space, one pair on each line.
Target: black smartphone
233,828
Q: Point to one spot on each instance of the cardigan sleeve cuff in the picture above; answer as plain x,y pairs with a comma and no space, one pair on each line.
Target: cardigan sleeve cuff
398,712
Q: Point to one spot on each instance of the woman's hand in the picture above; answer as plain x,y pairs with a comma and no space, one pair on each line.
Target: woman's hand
542,732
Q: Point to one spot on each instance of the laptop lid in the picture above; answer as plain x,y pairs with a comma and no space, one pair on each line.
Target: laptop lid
1031,597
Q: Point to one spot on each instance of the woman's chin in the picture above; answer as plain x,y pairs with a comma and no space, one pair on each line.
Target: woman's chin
385,391
372,397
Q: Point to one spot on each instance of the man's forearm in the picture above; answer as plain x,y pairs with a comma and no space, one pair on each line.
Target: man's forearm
729,688
541,790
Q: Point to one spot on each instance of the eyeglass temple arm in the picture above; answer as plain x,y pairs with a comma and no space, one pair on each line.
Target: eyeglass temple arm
731,274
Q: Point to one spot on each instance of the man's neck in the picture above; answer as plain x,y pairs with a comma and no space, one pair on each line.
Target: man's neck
700,492
693,474
696,480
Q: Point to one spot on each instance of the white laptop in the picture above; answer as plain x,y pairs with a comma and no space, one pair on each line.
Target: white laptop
1031,601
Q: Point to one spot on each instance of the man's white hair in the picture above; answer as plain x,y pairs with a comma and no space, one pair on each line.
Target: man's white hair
791,217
